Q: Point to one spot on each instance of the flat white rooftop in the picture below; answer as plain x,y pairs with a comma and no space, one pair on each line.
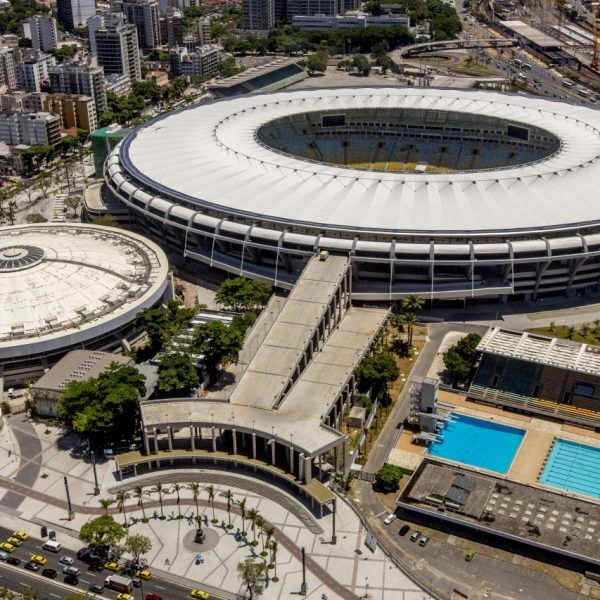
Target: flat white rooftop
553,352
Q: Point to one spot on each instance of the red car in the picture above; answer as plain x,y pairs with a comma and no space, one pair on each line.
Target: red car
153,597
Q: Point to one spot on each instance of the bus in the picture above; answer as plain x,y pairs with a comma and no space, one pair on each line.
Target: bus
527,67
567,84
583,93
518,63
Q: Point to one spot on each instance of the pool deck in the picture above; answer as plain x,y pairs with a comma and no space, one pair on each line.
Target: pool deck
529,460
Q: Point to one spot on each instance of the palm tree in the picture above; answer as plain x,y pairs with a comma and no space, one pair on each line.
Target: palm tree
121,497
242,505
228,495
570,331
269,531
175,490
410,320
195,489
138,492
259,526
105,503
274,546
160,490
552,326
252,516
210,490
585,330
412,303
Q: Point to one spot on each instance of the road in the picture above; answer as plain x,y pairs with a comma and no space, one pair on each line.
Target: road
17,578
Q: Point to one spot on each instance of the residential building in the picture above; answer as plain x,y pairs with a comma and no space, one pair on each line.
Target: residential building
118,83
259,15
9,40
161,78
42,31
75,13
83,78
78,112
30,75
196,34
328,8
7,68
204,60
174,20
11,102
348,21
116,46
30,129
144,15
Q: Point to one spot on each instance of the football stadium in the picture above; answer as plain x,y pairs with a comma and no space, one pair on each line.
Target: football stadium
450,194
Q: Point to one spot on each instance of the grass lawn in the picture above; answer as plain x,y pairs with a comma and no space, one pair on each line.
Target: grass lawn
575,334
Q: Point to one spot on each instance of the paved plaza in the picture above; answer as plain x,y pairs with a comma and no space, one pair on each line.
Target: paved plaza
349,562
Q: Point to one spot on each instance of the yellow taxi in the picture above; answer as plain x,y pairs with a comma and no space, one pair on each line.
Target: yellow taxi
7,547
125,596
14,541
38,558
113,566
144,574
21,535
199,594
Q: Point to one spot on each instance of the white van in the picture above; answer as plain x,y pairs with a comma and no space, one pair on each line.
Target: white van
52,546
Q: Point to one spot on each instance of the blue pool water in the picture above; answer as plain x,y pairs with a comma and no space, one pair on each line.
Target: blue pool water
478,443
574,467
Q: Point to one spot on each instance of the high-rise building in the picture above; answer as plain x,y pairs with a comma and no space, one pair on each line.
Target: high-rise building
83,78
144,15
30,129
259,15
42,31
7,68
204,60
174,21
329,8
75,13
33,69
116,46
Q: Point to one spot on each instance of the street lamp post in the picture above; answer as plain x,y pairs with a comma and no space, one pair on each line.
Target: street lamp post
70,513
304,586
96,486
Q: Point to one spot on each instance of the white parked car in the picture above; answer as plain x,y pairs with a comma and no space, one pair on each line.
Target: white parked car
390,518
66,560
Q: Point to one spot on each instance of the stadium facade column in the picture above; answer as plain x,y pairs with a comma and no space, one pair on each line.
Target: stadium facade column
146,442
291,459
300,466
234,440
214,439
192,438
307,469
253,445
170,437
155,440
273,442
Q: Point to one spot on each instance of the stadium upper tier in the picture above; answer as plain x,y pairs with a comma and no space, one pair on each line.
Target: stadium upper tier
446,193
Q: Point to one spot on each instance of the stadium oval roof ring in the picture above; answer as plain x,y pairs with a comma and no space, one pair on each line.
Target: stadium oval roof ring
212,157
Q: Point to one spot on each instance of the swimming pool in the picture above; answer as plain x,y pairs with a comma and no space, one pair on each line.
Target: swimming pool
574,467
478,443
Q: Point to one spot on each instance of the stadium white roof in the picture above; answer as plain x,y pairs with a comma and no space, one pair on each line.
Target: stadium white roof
66,284
553,352
208,155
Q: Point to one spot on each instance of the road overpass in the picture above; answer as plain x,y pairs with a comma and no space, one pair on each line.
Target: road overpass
457,44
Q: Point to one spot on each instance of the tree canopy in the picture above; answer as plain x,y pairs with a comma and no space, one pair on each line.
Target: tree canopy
376,370
177,374
102,531
137,545
104,409
241,293
317,62
460,358
219,343
252,575
388,478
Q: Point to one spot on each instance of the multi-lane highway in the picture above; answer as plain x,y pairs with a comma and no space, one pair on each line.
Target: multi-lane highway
18,579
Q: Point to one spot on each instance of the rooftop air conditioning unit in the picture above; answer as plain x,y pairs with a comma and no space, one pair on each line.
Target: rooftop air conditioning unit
323,255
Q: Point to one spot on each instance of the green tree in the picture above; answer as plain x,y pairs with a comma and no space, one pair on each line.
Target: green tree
317,62
273,558
388,478
176,489
139,493
253,515
105,503
252,575
409,320
361,64
412,303
73,202
102,531
219,343
177,374
377,370
137,545
195,489
104,409
210,491
240,293
106,220
121,497
460,358
243,513
228,495
160,489
36,218
64,52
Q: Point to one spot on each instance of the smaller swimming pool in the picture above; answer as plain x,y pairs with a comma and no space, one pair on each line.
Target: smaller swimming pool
574,467
478,443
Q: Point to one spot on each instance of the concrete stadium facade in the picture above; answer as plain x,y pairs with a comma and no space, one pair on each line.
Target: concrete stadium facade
233,184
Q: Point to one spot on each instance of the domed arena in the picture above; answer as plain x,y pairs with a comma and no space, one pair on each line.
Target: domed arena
450,194
64,287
